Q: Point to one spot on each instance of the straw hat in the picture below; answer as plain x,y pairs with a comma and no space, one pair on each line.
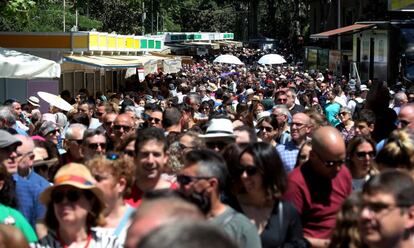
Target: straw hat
76,175
34,101
218,129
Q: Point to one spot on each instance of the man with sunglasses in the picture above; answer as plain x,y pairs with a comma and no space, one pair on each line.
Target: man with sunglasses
8,153
386,216
73,143
93,144
204,175
319,187
155,118
29,186
123,126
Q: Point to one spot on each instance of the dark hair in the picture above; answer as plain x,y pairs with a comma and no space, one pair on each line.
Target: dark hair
209,164
366,115
171,116
231,154
251,131
394,182
147,134
125,103
93,219
8,192
81,118
187,235
268,161
356,141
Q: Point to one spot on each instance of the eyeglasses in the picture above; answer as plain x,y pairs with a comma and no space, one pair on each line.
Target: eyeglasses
250,170
30,155
331,163
125,128
362,155
216,144
281,100
185,180
72,195
156,120
182,146
378,207
78,141
268,129
94,146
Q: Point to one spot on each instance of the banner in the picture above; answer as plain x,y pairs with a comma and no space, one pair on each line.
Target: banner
172,66
150,67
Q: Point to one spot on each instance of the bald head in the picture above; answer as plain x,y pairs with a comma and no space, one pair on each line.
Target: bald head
328,151
406,116
153,214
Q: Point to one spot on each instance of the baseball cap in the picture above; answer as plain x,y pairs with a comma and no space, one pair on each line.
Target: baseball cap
6,139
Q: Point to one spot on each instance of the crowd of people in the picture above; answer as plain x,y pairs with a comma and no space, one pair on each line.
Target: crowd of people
215,155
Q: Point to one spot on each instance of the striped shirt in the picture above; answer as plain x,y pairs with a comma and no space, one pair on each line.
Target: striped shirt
98,240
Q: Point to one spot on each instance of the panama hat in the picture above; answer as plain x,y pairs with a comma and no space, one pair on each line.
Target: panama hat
76,175
34,101
219,128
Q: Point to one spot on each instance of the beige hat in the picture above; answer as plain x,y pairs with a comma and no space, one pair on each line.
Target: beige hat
76,175
34,101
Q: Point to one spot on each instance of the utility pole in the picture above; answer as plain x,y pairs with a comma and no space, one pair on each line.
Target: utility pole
157,21
152,16
143,18
339,24
64,15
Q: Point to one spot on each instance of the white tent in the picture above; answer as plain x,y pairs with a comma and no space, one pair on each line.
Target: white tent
18,65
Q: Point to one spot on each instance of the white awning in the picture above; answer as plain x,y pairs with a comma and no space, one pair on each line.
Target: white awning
18,65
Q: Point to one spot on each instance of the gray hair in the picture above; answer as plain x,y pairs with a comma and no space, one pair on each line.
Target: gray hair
137,111
73,128
283,109
7,116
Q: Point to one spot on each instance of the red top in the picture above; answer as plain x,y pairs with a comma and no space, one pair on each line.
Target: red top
135,199
317,199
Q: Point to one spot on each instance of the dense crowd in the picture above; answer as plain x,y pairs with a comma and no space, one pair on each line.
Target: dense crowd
215,155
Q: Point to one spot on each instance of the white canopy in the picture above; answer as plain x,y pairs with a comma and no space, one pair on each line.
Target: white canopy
14,64
270,59
228,59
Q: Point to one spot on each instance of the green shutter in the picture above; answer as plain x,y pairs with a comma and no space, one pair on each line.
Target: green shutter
157,44
143,44
151,44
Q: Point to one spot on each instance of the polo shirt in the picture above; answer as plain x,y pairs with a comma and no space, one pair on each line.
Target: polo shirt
317,199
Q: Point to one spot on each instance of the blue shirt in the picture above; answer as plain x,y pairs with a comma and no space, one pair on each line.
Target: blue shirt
28,191
288,154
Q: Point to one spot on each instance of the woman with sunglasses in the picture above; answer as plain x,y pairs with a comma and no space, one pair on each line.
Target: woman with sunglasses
360,155
114,176
262,182
347,125
74,206
268,129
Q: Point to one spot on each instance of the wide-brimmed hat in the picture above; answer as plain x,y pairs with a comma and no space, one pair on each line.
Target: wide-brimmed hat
219,128
7,139
212,87
249,91
363,87
76,175
34,101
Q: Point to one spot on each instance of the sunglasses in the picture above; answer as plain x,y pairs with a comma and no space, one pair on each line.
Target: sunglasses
130,153
125,128
343,113
220,145
282,100
268,129
72,195
108,123
79,141
185,180
94,146
156,120
54,132
99,113
331,163
362,155
250,170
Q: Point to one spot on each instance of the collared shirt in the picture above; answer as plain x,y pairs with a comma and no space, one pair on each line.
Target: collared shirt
288,154
28,191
